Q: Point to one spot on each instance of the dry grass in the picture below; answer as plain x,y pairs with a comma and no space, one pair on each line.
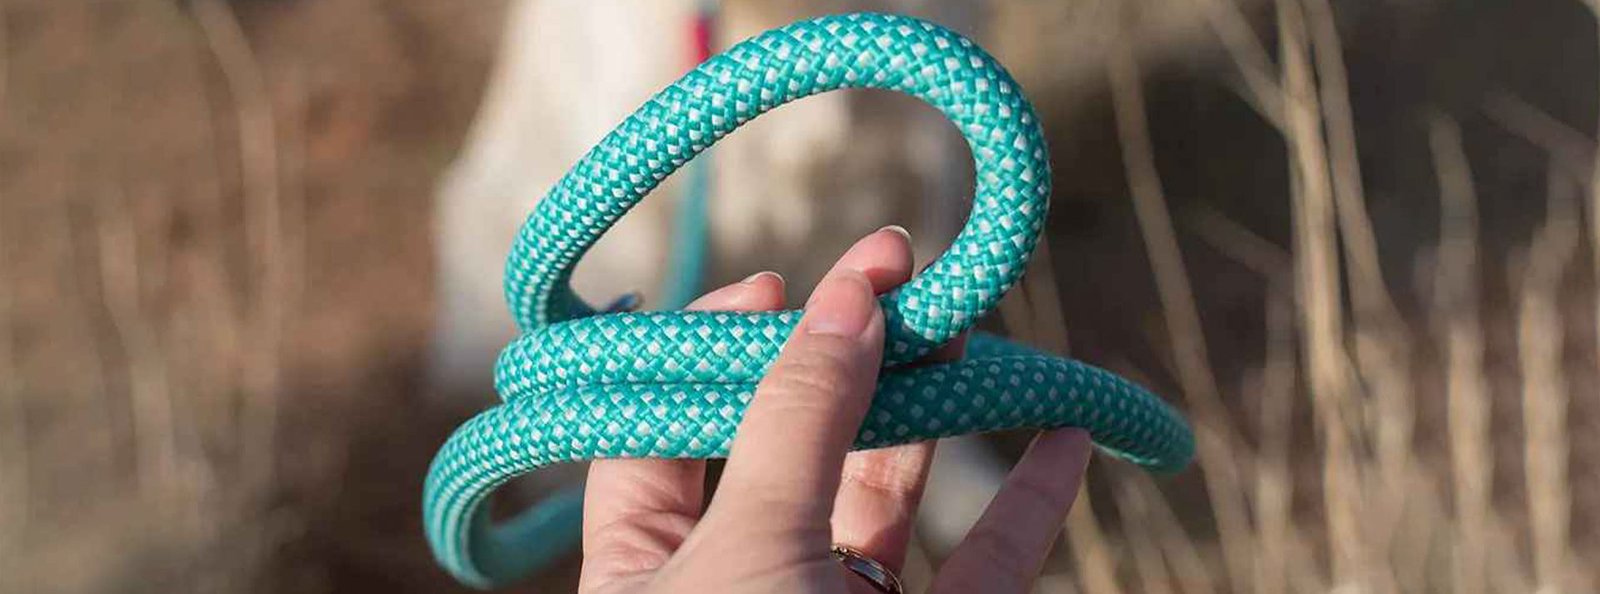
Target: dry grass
1594,213
165,396
1457,303
1032,312
1215,440
1379,528
1319,290
1545,388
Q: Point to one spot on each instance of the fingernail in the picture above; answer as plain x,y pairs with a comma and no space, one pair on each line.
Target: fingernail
750,280
842,305
898,230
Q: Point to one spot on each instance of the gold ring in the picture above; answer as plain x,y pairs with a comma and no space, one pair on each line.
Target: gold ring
868,568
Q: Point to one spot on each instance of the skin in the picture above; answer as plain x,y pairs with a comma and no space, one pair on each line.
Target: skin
791,488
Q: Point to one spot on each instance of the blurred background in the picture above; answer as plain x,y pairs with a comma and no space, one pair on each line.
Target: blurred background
250,255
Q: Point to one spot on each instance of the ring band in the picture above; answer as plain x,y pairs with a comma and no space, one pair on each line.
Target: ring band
868,568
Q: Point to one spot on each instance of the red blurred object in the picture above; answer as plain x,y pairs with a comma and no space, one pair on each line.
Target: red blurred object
702,29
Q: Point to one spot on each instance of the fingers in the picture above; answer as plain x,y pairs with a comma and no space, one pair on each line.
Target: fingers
880,489
638,511
1007,547
761,291
787,457
878,498
884,256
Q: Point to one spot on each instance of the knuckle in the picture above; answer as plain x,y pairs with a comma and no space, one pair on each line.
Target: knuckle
1043,496
765,499
1000,558
895,473
811,373
638,542
1005,553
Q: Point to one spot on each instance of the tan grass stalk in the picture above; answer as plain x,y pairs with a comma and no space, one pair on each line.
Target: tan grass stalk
1274,489
1217,447
1547,485
1318,289
1540,334
1576,156
210,325
1468,402
1276,529
1382,342
274,230
1594,215
1306,574
1096,561
1249,56
1040,313
1132,505
120,268
1276,525
1505,569
259,166
1056,583
1239,244
82,313
1177,546
1419,529
1569,149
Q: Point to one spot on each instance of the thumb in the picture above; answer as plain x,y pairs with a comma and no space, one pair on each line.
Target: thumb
787,457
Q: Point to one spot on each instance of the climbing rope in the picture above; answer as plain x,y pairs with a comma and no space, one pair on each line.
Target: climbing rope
687,257
578,385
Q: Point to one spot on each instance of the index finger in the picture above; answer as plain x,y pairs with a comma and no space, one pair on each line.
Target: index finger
1007,547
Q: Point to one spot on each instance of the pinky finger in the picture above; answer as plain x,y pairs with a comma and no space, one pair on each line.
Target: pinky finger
1007,547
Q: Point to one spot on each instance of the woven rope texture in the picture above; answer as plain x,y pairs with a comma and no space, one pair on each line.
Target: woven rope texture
580,386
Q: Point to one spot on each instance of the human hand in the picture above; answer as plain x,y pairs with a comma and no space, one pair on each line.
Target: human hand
791,488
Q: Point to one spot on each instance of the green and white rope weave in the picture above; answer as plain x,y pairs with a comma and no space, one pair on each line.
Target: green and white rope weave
579,386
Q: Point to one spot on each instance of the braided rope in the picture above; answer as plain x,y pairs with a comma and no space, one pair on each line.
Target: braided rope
582,386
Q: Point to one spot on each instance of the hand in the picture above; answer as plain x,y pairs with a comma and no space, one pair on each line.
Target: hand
791,488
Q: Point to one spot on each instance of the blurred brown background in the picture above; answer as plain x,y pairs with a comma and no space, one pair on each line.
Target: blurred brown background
1354,240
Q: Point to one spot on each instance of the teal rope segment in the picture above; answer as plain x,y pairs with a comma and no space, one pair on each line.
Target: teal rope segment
580,386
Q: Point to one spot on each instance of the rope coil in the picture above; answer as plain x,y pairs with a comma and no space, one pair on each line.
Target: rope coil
579,386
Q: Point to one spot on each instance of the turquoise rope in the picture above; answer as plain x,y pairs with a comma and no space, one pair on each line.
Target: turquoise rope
579,386
686,276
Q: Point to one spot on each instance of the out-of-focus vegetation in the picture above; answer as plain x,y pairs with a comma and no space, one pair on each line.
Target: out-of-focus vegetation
1355,241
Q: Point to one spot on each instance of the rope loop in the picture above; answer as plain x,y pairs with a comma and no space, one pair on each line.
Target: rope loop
583,385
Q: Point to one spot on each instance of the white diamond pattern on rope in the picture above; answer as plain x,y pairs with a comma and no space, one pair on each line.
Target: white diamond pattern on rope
580,386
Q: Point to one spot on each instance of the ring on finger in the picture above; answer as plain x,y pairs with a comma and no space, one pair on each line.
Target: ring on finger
868,569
